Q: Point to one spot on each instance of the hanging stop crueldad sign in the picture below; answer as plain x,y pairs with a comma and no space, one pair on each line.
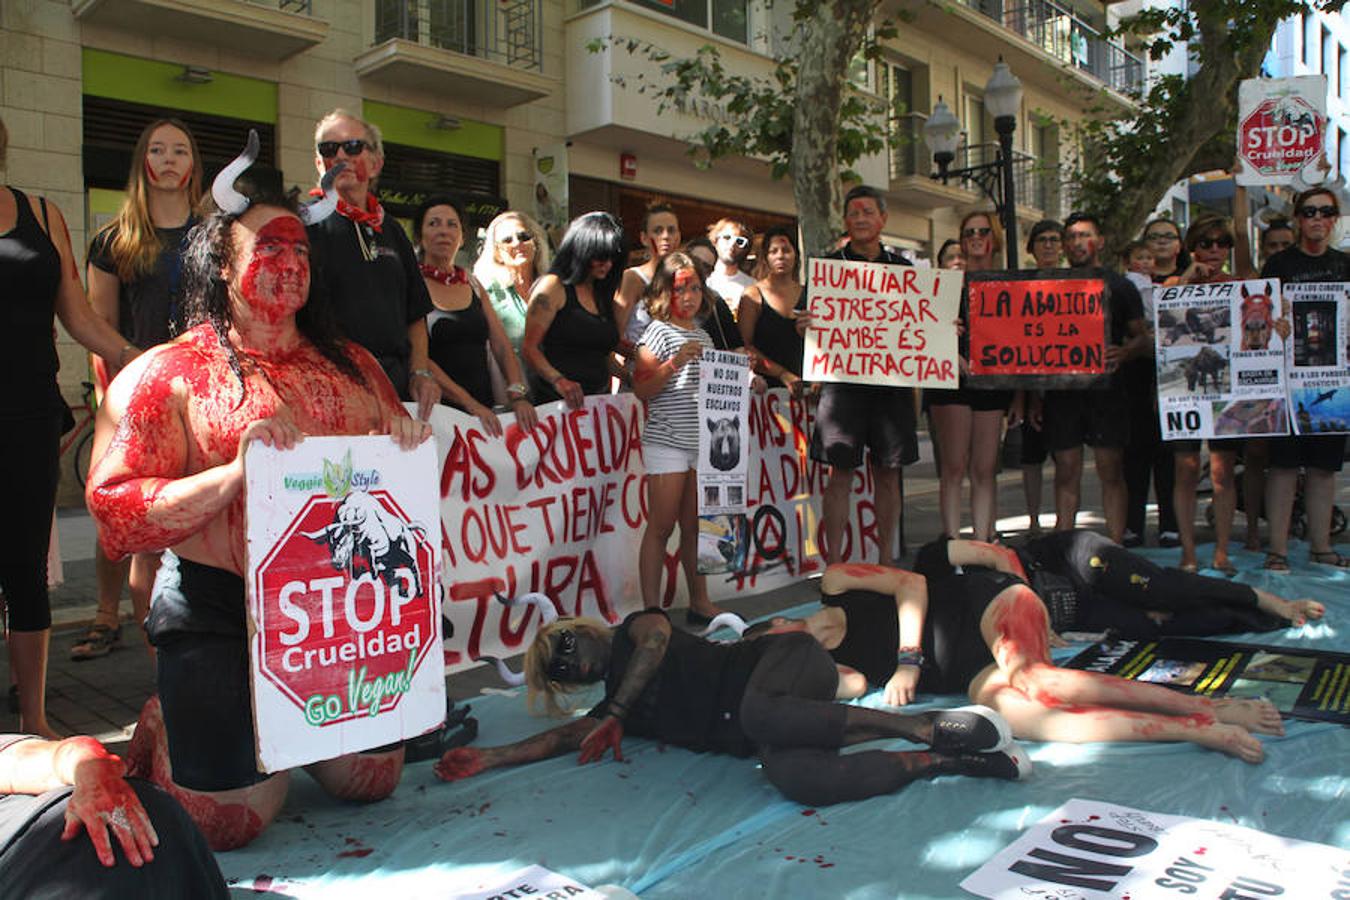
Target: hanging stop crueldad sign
344,597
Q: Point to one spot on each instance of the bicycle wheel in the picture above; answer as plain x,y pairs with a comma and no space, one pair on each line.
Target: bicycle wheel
84,448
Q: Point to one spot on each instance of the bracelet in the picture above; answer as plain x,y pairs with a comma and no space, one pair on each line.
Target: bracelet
909,656
623,706
425,373
518,390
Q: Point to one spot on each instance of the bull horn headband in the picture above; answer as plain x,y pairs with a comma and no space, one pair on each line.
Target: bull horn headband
235,203
548,613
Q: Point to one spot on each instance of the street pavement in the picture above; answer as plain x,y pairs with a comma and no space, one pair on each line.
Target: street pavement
102,697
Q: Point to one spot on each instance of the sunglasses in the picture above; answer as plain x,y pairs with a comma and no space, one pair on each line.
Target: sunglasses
739,240
1312,212
977,232
562,665
1161,236
354,147
1210,243
520,237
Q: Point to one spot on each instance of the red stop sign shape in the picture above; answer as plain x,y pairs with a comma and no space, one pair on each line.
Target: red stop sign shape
1281,136
347,613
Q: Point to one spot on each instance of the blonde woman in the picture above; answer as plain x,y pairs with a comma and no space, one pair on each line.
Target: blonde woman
515,254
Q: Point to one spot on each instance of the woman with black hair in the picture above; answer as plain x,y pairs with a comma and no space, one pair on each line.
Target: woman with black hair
570,325
464,322
770,308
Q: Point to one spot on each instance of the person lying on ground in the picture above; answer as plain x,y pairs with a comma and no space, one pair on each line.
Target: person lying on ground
1091,584
50,791
261,360
771,698
987,633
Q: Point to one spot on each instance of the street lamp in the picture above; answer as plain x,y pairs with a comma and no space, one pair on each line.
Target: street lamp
942,133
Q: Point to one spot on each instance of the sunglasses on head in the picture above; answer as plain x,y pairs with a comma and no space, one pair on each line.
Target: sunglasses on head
520,237
739,240
1209,243
1312,212
354,147
977,232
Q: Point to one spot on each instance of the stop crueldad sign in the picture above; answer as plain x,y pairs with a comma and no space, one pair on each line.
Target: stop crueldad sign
344,605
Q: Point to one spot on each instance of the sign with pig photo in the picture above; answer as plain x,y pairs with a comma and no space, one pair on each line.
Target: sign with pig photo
344,597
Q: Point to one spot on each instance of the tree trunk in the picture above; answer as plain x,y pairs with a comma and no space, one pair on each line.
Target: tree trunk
1206,110
829,40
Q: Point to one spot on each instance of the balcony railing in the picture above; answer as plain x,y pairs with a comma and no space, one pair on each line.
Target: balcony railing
504,31
1065,36
1047,186
909,153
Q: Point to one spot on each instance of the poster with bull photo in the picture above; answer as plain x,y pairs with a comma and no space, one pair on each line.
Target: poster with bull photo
1089,849
723,431
344,597
1220,360
1318,357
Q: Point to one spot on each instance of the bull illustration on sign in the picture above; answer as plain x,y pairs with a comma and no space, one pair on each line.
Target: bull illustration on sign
364,536
724,448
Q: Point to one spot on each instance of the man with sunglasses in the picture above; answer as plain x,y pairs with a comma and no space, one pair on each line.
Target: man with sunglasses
1097,418
1321,456
731,238
366,263
772,698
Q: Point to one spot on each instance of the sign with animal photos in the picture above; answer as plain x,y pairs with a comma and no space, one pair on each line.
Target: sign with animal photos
1317,357
344,597
723,431
1220,360
1088,849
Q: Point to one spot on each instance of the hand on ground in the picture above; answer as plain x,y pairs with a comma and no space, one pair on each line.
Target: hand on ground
459,763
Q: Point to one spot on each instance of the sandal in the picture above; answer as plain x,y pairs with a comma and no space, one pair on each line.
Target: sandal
1277,563
1189,568
1329,558
1228,569
98,641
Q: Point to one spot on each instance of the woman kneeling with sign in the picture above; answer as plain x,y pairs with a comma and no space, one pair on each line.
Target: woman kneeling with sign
261,360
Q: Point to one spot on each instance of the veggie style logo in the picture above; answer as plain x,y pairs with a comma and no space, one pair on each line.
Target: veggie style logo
348,613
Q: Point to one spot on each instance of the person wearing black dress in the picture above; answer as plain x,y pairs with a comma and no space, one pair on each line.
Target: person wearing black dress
769,309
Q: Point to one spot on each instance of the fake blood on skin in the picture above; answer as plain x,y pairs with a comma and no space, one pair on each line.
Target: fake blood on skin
276,283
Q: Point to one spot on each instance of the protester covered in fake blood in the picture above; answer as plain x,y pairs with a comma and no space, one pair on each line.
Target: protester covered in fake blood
984,631
969,421
667,377
41,282
135,275
572,326
771,698
261,360
71,825
366,263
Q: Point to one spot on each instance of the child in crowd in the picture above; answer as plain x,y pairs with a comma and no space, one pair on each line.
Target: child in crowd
667,378
1138,259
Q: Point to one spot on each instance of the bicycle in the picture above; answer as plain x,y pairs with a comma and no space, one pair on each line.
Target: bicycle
80,439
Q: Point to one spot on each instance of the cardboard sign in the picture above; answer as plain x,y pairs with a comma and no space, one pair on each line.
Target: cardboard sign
1220,360
344,608
1030,331
1301,683
873,323
1316,357
530,883
1088,849
723,431
562,510
1282,130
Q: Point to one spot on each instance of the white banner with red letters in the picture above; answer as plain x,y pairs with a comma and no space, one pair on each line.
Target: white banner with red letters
561,511
344,607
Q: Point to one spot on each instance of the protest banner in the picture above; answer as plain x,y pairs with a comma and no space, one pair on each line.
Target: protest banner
344,607
1220,360
873,323
1282,131
1028,330
723,431
529,883
1316,357
1088,848
561,510
1301,683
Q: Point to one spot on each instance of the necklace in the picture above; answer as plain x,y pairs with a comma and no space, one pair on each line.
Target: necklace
457,274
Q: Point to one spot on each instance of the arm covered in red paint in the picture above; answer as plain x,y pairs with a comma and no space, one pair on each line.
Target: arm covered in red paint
101,802
466,762
910,591
989,556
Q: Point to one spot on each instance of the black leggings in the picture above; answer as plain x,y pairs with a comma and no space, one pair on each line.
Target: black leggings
1128,584
30,453
789,712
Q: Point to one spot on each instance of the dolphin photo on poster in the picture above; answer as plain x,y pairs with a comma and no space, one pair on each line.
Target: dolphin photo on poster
1317,357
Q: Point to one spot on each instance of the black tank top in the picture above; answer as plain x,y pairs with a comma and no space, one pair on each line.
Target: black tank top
871,635
777,338
457,341
30,270
578,344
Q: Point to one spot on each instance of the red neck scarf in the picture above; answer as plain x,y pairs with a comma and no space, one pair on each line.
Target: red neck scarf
456,275
372,215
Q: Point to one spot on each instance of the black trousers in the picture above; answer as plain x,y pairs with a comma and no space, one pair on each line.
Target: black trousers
30,455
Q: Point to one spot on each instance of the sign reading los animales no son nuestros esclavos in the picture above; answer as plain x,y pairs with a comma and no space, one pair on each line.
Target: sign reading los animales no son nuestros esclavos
344,606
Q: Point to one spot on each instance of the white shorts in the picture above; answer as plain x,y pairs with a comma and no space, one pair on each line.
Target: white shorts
662,460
